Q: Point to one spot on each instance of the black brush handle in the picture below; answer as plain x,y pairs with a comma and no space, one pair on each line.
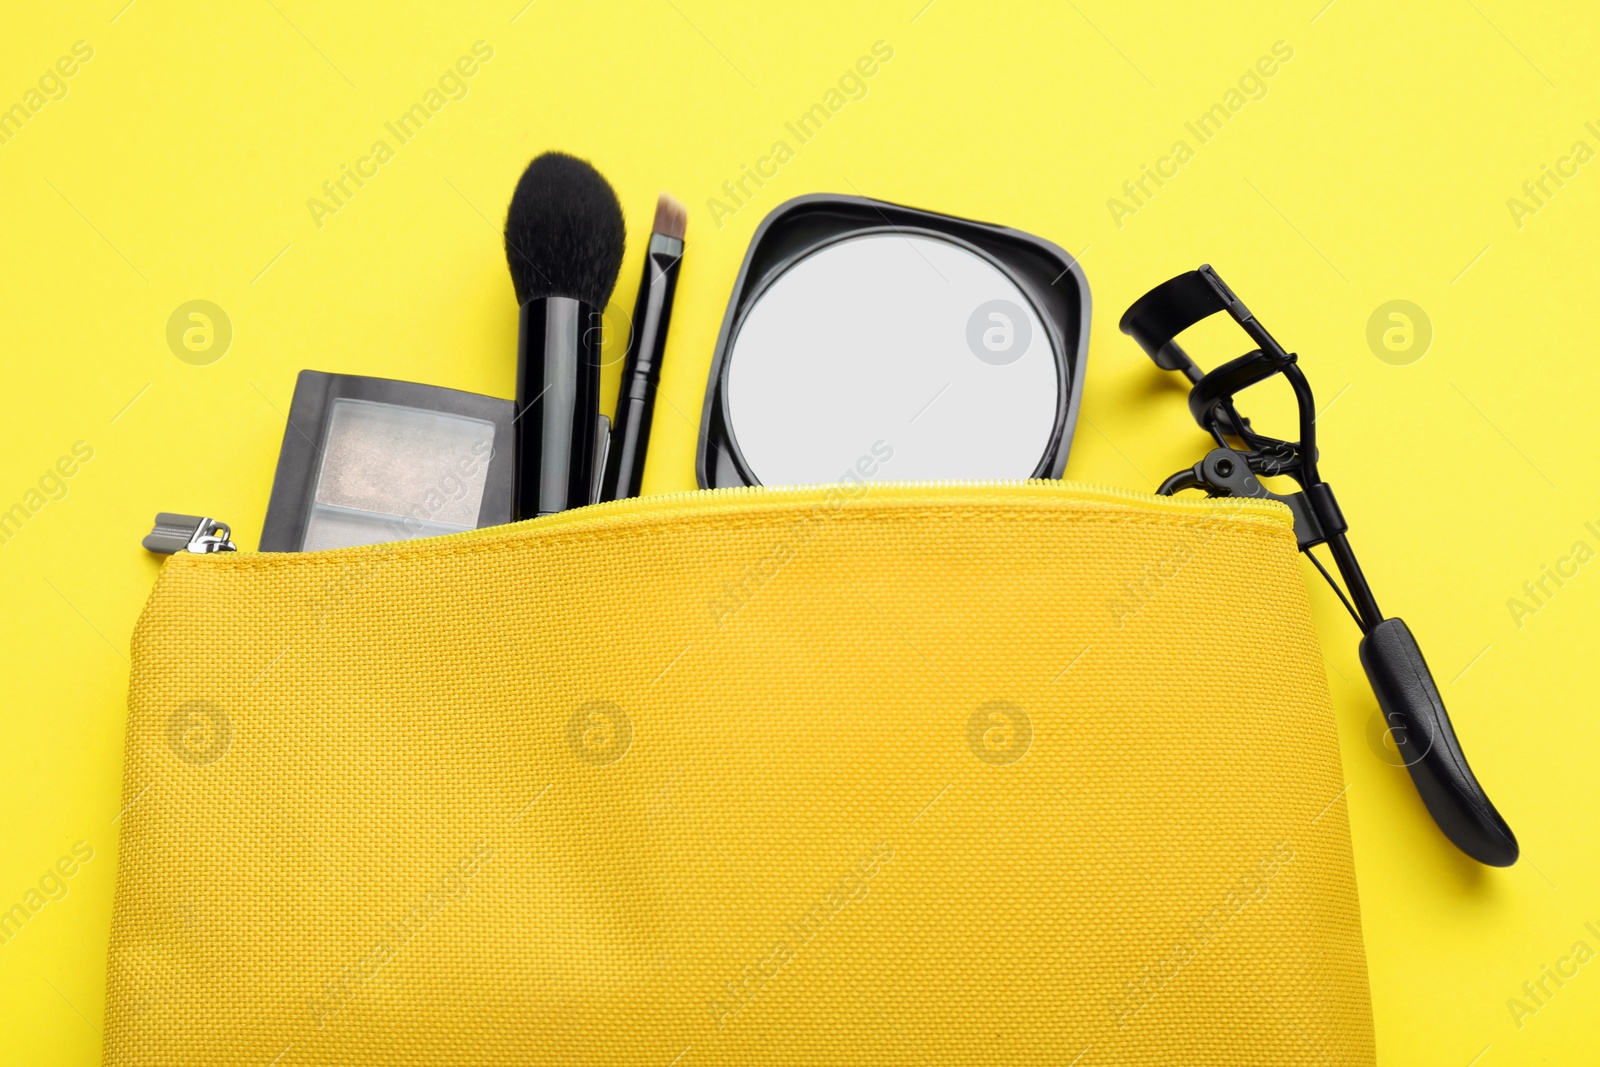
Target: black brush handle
558,404
1424,738
641,371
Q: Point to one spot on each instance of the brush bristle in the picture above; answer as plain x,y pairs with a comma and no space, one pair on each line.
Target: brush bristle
672,218
564,232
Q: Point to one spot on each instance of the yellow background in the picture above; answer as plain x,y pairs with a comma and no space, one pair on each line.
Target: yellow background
1377,167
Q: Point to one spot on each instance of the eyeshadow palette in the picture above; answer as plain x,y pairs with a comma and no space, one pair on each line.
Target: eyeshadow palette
369,460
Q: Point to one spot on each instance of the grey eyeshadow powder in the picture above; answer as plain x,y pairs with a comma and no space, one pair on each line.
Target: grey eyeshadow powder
424,468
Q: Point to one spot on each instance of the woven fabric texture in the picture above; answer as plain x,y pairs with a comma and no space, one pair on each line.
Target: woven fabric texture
891,775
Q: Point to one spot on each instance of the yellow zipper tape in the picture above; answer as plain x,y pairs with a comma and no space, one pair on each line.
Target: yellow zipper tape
710,502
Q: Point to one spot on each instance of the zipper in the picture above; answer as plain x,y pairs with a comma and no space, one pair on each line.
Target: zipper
198,534
644,505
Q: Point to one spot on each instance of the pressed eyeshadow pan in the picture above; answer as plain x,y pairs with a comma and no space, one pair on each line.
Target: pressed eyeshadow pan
392,473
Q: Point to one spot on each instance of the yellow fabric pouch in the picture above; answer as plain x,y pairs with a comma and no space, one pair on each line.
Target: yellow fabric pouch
991,774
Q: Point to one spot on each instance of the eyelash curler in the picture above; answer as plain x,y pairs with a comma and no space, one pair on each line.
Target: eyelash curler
1399,675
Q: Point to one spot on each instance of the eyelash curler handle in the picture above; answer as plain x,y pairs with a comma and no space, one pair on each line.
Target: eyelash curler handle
1422,734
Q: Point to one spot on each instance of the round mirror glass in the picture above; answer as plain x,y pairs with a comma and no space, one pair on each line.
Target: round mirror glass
899,356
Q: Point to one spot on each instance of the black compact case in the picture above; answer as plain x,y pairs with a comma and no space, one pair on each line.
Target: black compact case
1049,278
368,460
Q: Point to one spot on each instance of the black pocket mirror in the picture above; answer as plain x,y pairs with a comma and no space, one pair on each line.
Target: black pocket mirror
862,334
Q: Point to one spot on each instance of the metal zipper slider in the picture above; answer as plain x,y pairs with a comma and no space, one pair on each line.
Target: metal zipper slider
188,533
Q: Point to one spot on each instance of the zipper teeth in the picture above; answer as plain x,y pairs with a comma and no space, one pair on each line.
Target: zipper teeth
666,501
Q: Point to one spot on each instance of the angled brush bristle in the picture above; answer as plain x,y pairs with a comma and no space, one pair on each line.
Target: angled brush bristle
672,218
564,232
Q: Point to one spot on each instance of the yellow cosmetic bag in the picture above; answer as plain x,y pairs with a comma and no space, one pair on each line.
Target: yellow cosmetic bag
892,774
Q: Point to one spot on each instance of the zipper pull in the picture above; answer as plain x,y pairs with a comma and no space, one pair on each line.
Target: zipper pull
188,533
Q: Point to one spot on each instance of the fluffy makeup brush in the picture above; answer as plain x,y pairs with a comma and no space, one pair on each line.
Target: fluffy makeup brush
564,232
564,244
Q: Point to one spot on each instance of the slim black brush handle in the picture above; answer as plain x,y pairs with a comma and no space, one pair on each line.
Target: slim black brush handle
558,401
641,370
